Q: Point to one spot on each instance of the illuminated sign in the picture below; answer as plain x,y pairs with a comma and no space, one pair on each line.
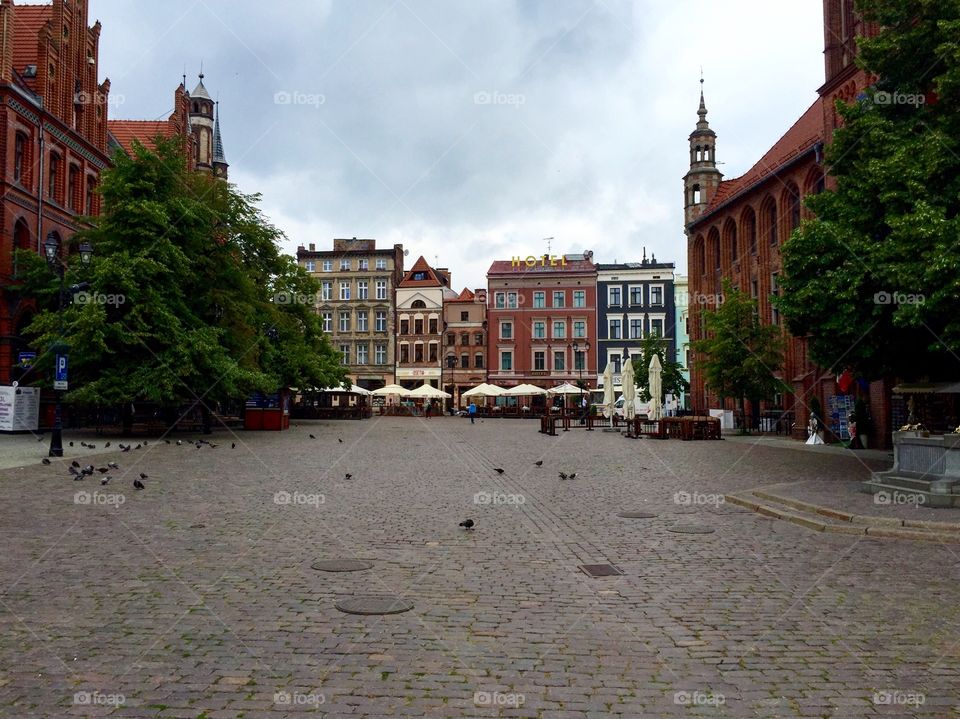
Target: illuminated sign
542,261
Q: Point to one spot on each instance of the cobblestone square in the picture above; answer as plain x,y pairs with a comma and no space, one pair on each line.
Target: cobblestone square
195,597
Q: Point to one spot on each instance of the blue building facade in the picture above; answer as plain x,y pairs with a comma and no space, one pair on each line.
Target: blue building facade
634,300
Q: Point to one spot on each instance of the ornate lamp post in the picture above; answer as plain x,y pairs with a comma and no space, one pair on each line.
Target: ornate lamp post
576,350
51,248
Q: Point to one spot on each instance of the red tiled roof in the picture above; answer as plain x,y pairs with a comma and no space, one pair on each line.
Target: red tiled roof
466,295
28,21
421,266
806,132
506,267
126,131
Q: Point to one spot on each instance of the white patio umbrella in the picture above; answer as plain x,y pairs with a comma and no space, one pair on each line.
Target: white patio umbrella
427,392
524,390
628,379
565,388
656,388
354,389
484,390
608,391
392,389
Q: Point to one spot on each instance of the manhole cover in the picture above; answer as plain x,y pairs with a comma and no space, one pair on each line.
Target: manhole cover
374,605
636,515
600,570
340,565
690,529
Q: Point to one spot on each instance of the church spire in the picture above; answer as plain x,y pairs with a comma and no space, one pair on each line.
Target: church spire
219,157
703,179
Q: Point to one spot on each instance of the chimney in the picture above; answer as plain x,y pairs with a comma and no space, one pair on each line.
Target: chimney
313,247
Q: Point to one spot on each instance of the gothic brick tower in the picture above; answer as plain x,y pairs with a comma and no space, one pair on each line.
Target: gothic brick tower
701,182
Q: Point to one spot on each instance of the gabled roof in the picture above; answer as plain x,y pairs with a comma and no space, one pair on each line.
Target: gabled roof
146,131
420,266
29,20
804,134
466,295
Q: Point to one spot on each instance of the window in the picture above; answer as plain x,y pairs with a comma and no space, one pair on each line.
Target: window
500,300
772,224
754,289
404,353
418,352
20,158
656,328
613,296
344,321
328,265
451,339
614,327
420,276
636,328
579,298
539,361
73,188
418,304
362,291
506,361
774,292
465,361
327,321
362,353
506,330
326,290
579,360
380,354
478,339
559,330
381,289
465,339
344,354
380,321
91,194
53,176
363,264
344,290
344,264
478,360
404,327
310,266
559,298
362,319
434,351
579,329
539,330
511,300
418,326
381,264
539,300
465,317
559,360
434,326
656,295
636,295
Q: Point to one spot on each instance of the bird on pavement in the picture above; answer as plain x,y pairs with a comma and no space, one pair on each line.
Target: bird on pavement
107,444
113,465
311,436
88,470
71,444
103,470
105,481
563,475
467,524
539,463
143,476
233,445
74,471
498,470
179,442
137,484
125,449
75,463
572,476
79,477
339,440
139,445
45,460
348,476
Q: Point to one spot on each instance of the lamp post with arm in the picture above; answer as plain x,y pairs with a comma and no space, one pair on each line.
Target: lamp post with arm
576,351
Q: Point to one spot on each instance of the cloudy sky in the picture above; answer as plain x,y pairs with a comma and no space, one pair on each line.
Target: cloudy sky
468,130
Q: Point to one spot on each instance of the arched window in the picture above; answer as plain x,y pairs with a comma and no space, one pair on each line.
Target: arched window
794,208
21,159
748,229
420,304
730,239
770,221
715,246
700,254
696,195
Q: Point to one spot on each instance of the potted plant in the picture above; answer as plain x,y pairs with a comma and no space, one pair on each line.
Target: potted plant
864,424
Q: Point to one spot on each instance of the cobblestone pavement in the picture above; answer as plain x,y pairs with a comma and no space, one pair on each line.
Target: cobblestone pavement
195,596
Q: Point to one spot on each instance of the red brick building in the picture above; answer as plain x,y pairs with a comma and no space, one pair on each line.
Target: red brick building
736,228
53,141
537,309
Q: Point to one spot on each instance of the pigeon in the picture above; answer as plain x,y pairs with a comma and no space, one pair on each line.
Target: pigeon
179,443
467,524
45,460
71,444
312,437
137,484
563,475
143,476
74,471
339,440
79,477
105,481
91,446
82,443
539,463
145,443
126,449
233,445
88,470
573,476
113,465
211,445
139,446
498,470
75,463
103,470
107,444
348,476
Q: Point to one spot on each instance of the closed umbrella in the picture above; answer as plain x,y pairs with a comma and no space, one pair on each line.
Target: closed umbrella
656,388
628,380
608,392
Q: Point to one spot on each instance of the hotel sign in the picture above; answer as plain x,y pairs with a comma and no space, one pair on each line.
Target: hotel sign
529,261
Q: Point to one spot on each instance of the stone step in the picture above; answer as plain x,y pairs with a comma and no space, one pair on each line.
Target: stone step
930,499
900,481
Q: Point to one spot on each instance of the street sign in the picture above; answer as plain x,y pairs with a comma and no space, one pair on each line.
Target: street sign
26,359
60,378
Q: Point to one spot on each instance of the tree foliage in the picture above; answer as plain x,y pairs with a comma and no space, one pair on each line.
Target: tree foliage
672,379
739,355
874,280
198,269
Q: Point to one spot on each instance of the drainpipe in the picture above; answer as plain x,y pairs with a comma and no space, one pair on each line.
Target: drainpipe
40,181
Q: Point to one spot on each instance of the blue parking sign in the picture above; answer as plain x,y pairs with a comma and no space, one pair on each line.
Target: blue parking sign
60,376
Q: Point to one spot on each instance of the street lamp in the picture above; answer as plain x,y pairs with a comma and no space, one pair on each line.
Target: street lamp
586,350
51,248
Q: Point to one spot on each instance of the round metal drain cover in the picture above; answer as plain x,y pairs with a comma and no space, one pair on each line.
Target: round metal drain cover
340,565
690,529
636,515
374,604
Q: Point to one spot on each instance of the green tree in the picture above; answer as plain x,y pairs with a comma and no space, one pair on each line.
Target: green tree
874,280
193,270
671,377
740,355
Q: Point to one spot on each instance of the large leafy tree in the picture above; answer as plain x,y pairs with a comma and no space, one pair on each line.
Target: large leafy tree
740,355
672,379
183,294
874,280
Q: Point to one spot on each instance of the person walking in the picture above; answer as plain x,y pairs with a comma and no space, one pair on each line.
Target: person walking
472,411
429,408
